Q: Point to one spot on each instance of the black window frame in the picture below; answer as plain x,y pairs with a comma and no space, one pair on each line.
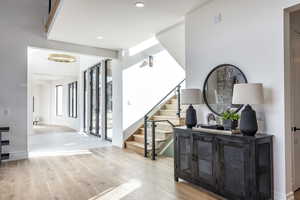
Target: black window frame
87,100
72,96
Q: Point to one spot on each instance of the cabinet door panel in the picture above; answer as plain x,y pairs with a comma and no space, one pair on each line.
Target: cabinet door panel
203,149
233,168
184,151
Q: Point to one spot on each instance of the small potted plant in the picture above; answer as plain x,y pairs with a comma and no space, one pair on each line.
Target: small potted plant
230,120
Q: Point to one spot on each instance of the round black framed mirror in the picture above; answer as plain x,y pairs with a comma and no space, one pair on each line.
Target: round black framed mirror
218,88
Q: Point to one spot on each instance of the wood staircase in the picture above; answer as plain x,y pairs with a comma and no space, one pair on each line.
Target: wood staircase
164,131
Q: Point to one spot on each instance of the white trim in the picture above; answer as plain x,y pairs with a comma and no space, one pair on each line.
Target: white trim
181,22
198,7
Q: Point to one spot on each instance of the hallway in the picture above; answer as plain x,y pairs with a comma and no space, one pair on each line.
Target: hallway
50,140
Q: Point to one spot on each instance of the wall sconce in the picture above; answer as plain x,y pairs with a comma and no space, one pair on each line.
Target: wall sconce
148,62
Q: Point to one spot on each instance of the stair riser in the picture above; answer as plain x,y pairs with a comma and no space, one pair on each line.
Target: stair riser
175,107
164,126
173,101
160,134
171,113
135,148
138,139
158,137
141,140
171,106
174,121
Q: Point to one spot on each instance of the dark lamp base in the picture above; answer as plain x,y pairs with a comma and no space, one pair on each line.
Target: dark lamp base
191,117
248,123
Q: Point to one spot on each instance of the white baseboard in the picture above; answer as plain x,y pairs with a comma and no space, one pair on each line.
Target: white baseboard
18,155
282,196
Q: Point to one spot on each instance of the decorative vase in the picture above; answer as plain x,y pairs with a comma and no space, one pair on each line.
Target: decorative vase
191,117
230,124
248,123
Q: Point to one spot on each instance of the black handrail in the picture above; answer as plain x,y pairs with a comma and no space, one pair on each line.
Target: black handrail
146,117
50,6
165,97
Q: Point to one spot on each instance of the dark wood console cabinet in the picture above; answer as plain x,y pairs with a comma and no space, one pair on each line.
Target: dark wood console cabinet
233,166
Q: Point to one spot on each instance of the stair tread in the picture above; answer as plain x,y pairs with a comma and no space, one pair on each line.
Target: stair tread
139,145
166,116
156,139
159,130
167,109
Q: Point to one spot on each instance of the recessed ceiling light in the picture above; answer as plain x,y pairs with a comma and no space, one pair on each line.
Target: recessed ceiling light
99,37
140,4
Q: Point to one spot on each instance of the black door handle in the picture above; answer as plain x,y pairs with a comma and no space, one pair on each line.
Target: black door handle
294,129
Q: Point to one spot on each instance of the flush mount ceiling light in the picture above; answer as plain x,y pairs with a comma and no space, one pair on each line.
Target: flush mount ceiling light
99,37
61,58
140,4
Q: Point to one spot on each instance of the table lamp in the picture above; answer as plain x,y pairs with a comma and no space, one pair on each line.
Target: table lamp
190,97
248,94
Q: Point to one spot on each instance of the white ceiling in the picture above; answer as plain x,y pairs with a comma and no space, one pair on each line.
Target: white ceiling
119,22
45,70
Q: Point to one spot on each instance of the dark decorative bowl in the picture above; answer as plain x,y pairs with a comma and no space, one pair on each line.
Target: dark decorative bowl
230,124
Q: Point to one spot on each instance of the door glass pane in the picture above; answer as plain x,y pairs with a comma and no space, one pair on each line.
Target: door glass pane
75,100
94,101
85,102
109,105
100,100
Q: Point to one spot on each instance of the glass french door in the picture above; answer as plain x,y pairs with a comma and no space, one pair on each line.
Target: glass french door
108,101
97,100
95,97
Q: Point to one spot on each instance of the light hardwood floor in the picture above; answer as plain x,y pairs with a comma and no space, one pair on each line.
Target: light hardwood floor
107,173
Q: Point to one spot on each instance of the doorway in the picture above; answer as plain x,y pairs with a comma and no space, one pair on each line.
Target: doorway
293,49
98,100
55,102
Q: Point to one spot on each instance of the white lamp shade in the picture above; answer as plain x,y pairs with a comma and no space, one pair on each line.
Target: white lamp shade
191,96
248,93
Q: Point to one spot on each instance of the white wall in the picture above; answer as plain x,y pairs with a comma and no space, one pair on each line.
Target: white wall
173,40
136,90
24,26
64,120
45,103
144,87
250,36
118,137
37,98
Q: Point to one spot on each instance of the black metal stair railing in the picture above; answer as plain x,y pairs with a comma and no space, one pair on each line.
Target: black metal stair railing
153,122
